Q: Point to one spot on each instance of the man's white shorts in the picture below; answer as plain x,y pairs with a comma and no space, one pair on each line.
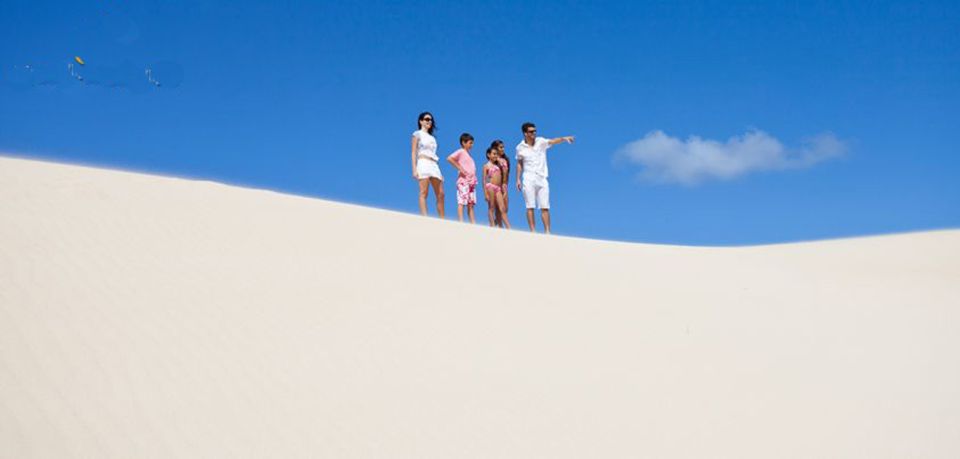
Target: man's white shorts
536,192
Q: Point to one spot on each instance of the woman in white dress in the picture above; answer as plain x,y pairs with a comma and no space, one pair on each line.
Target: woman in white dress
426,165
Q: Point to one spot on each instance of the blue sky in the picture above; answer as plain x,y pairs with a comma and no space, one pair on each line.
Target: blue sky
320,99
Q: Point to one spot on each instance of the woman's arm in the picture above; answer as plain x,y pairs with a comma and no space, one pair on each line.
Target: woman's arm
414,143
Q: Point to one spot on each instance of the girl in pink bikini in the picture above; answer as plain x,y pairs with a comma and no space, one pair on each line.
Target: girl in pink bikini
493,182
504,164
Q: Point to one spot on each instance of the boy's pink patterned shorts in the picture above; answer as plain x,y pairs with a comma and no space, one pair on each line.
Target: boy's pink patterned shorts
466,192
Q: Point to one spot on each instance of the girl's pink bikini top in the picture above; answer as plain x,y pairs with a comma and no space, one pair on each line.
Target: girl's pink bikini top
491,170
504,164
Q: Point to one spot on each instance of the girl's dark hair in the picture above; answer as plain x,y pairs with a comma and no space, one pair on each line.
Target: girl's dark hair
496,144
433,125
493,149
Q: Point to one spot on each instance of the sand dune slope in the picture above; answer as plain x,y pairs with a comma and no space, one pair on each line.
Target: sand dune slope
151,317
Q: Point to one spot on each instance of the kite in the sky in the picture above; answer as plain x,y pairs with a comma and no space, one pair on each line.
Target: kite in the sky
73,72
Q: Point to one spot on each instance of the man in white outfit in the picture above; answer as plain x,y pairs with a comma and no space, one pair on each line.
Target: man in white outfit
532,173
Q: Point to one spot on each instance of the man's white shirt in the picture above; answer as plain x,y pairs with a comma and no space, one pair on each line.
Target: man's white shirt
534,158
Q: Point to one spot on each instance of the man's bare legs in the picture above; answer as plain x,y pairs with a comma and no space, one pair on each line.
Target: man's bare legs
438,191
544,215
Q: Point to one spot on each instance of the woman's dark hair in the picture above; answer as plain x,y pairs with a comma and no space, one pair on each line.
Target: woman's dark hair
433,125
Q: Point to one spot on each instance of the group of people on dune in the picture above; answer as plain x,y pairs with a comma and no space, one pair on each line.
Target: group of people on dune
531,156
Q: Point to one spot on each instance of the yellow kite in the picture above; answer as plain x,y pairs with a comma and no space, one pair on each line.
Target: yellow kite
79,61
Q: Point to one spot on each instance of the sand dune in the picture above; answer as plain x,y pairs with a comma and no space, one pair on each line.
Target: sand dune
144,316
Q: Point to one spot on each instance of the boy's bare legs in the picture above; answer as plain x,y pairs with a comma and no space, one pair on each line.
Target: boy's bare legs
545,216
473,218
459,213
533,227
437,191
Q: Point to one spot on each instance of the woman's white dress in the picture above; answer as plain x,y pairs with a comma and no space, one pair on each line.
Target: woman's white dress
428,163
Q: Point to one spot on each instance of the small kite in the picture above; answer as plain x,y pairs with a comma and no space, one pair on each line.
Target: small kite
79,61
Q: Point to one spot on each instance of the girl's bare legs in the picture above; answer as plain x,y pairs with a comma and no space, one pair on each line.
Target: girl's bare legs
506,202
502,205
424,188
438,192
490,206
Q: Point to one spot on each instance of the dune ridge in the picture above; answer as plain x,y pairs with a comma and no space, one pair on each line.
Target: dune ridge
146,316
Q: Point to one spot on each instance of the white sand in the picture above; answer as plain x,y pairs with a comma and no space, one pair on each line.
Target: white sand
144,317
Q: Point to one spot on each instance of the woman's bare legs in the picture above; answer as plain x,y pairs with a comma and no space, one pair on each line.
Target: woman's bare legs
424,189
438,192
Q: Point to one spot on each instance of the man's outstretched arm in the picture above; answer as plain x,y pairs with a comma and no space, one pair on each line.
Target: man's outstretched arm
568,139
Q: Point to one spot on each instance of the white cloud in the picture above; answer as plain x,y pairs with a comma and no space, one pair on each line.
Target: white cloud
666,159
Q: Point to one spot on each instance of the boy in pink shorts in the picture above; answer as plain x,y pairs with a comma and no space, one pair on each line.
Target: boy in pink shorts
467,177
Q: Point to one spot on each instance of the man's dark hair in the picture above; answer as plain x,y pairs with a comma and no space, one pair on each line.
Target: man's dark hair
465,137
526,126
